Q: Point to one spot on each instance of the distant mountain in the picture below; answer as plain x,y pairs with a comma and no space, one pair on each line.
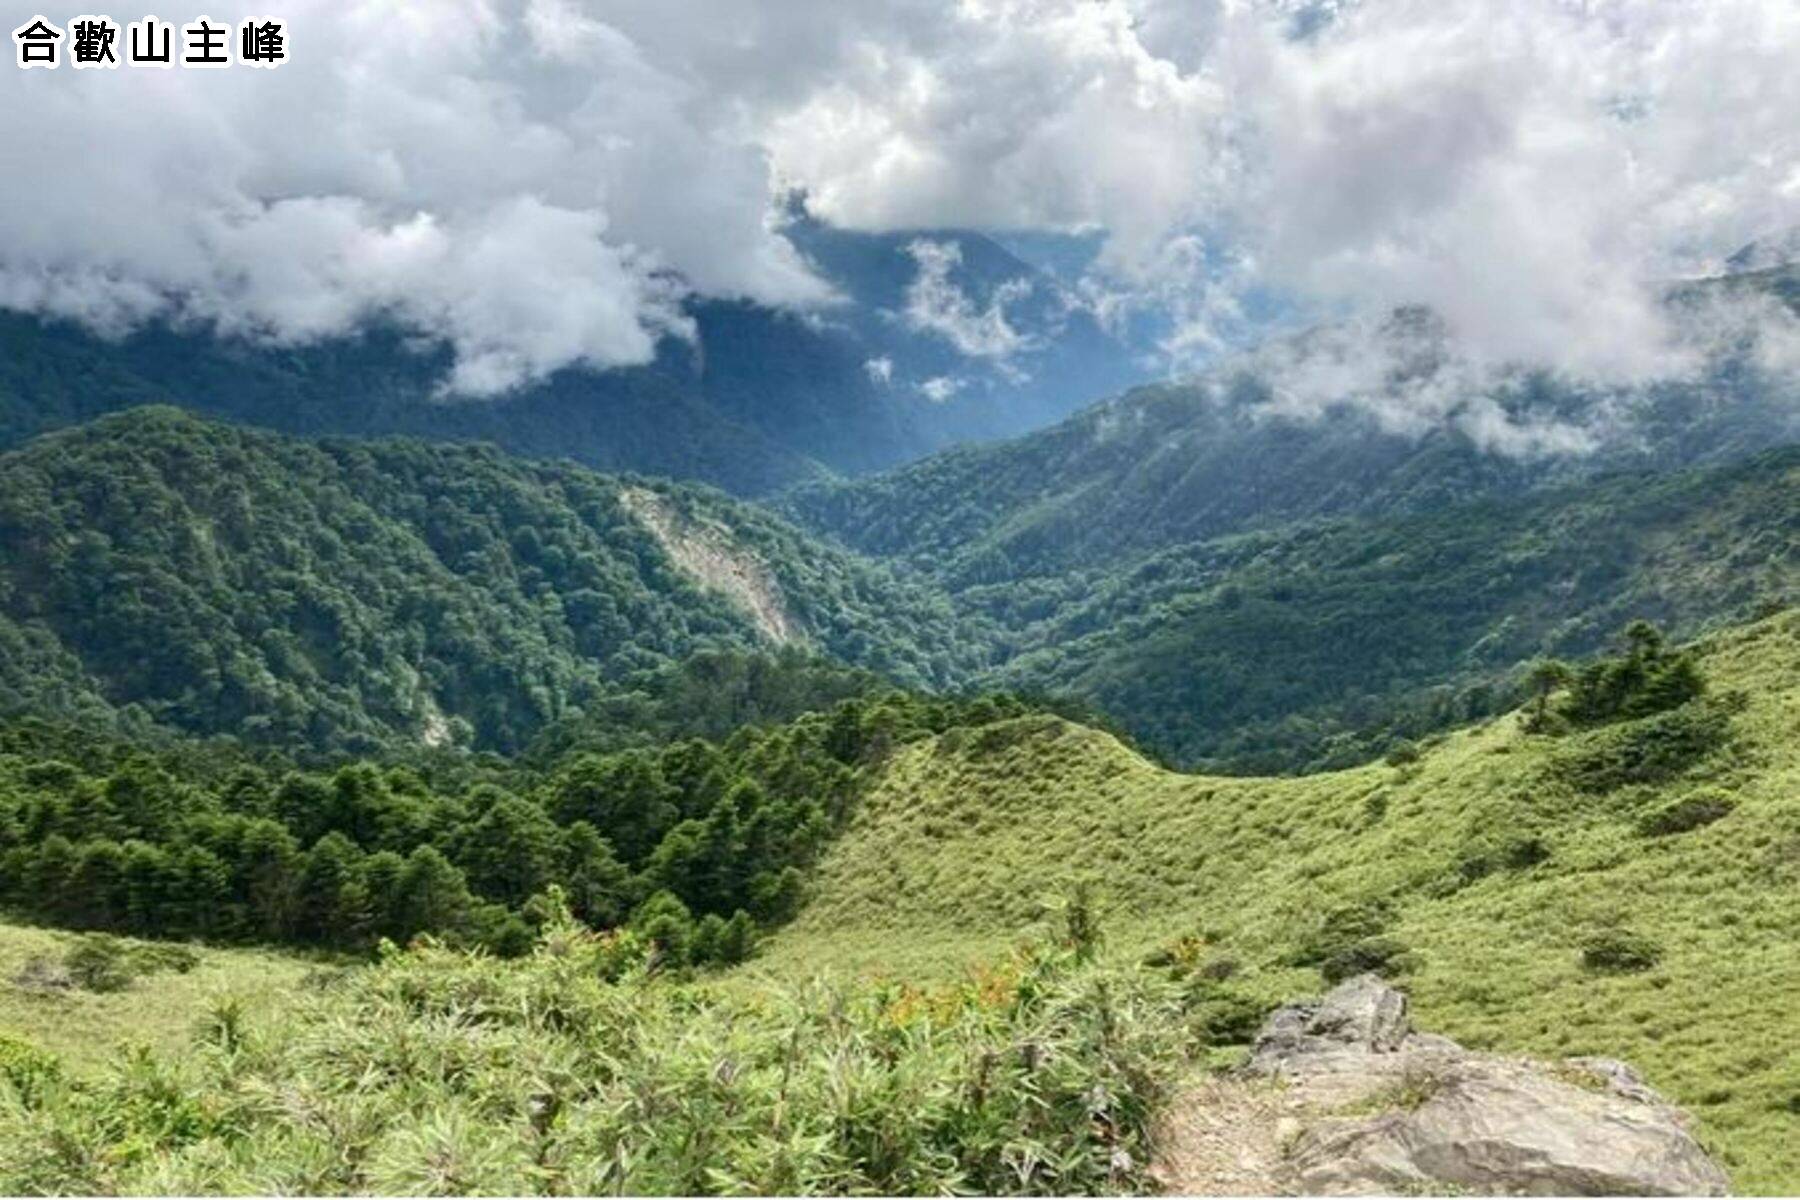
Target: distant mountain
762,399
349,594
1169,464
1775,250
1321,643
1247,590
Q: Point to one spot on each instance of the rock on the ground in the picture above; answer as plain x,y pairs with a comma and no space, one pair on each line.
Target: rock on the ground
1394,1110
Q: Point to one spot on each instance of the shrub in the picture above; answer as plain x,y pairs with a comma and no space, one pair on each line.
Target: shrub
27,1071
1690,812
1619,952
1223,1017
442,1070
1381,955
1647,751
1337,930
100,963
1517,852
147,958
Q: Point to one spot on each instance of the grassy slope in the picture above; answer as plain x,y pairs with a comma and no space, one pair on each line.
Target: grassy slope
954,853
85,1029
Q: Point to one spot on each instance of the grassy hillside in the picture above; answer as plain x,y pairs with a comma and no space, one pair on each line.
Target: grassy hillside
89,1030
940,1018
1536,893
348,594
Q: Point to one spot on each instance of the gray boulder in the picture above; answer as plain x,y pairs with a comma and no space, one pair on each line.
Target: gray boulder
1393,1110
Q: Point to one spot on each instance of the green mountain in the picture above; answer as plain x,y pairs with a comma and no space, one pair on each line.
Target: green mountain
1172,464
1320,643
1022,947
381,383
346,594
1246,590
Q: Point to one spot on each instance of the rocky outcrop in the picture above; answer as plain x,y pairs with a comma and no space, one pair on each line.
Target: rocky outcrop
1389,1109
708,553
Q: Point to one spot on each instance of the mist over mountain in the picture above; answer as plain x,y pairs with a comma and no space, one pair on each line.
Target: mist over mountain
1353,419
758,398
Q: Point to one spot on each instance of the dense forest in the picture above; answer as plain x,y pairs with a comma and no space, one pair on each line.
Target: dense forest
354,596
696,843
349,594
1325,643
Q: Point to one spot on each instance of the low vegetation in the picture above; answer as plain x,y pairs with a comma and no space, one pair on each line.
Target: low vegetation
574,1071
1525,908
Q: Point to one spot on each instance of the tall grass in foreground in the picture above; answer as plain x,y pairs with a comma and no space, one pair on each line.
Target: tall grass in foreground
573,1072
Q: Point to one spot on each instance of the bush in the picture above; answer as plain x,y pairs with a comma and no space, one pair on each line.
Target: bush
1619,952
1224,1017
1651,750
27,1071
1690,812
147,958
100,963
437,1070
1483,857
1338,930
1381,955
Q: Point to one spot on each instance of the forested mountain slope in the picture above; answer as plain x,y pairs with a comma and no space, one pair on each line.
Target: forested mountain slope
1621,886
1319,643
347,593
1170,464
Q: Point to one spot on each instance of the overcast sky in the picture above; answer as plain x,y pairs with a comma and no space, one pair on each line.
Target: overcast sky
540,182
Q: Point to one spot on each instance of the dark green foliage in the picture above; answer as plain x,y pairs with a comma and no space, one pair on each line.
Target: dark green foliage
1338,931
1619,951
1649,750
99,964
363,595
1507,852
706,841
1387,956
1691,812
1401,753
1647,678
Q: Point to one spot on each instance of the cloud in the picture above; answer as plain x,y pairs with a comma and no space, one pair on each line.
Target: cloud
879,370
940,388
936,304
1533,170
517,179
542,182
